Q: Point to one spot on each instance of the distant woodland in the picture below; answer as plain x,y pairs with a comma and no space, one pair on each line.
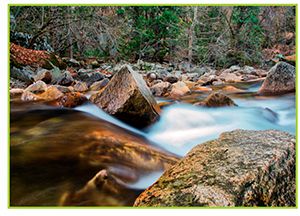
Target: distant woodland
214,36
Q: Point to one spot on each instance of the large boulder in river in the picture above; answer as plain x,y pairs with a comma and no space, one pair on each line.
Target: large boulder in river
128,98
280,80
240,168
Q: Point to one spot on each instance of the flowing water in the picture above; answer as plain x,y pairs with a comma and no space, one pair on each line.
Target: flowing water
56,153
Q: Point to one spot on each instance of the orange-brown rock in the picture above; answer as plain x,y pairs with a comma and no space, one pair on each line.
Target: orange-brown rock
231,89
240,168
72,99
202,89
190,84
128,98
179,89
52,93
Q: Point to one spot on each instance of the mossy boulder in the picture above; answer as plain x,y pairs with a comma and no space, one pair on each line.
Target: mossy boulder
240,168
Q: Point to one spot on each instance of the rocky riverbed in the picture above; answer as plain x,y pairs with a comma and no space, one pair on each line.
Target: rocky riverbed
94,134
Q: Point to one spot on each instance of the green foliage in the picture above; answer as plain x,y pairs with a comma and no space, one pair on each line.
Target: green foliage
208,34
153,32
249,35
95,53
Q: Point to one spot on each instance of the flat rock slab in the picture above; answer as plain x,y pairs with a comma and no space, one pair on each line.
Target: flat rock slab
128,98
240,168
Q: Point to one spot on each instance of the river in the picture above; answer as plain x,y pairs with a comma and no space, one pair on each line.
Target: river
55,152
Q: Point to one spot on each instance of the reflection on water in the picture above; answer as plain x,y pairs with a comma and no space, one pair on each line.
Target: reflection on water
54,151
58,156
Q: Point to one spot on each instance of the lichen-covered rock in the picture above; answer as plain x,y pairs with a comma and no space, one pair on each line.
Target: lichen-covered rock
89,76
240,168
65,79
16,91
64,89
23,74
160,89
230,77
128,98
43,75
217,99
50,93
96,86
280,80
37,87
80,87
29,96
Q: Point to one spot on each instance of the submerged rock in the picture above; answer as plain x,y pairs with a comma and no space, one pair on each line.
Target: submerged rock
280,80
240,168
74,147
217,99
96,192
128,98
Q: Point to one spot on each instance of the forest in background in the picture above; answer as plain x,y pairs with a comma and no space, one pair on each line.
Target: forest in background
214,36
157,106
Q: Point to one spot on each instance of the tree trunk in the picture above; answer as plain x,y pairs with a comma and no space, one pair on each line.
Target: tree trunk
70,38
191,33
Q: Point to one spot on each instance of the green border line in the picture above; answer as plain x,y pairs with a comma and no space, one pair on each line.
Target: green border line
8,111
63,4
296,146
159,208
